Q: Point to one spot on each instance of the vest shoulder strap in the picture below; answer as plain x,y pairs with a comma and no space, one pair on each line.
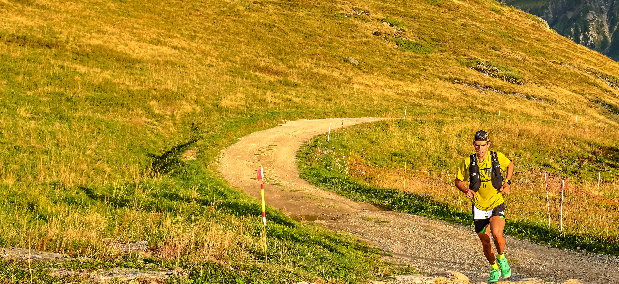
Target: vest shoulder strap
494,159
474,178
495,174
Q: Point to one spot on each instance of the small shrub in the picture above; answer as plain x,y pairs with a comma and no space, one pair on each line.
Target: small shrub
340,16
606,105
541,22
611,80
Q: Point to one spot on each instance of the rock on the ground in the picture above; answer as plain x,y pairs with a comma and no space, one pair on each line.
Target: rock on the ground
23,254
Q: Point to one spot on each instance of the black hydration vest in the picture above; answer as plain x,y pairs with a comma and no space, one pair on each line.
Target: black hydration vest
495,173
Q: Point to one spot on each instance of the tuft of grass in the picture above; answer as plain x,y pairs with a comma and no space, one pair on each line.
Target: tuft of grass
419,47
435,2
496,10
393,22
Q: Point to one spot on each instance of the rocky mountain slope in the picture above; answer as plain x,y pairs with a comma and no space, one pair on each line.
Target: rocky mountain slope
592,23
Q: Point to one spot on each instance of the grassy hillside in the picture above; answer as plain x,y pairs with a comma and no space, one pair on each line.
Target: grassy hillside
113,114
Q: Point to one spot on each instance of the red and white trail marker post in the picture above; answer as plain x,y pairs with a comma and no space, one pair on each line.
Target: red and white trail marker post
260,177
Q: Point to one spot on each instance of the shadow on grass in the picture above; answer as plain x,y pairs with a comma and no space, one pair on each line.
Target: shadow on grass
171,160
167,198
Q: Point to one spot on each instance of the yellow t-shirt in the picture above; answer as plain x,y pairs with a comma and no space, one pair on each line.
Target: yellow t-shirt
487,197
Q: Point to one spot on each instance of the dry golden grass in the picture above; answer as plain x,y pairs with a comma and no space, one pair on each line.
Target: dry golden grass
169,237
94,91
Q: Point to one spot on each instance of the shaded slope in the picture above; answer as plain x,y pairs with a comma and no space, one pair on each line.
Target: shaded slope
592,23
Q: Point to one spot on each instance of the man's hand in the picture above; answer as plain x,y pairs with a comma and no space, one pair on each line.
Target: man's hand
460,185
504,188
471,194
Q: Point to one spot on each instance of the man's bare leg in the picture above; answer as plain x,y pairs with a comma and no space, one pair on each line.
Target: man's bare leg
497,224
487,245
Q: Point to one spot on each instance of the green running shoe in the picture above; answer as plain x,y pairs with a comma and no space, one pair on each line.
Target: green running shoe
505,270
494,275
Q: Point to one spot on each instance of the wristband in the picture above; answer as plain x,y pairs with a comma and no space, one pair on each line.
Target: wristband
509,182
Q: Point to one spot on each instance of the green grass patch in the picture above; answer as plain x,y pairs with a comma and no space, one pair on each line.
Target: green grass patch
435,2
494,70
419,47
393,22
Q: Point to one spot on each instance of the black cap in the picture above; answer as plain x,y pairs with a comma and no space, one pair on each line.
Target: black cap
481,136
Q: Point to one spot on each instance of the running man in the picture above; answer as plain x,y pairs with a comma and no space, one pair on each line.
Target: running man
487,186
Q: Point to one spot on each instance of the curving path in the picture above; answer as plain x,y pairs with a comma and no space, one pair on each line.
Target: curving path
433,247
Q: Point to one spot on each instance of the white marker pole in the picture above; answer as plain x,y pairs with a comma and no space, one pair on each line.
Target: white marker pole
547,199
599,178
405,111
329,135
404,176
562,188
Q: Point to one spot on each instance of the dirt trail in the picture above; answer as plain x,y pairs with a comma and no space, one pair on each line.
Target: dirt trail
433,247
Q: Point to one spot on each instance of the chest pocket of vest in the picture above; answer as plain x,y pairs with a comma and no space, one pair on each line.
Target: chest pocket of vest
474,178
495,173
